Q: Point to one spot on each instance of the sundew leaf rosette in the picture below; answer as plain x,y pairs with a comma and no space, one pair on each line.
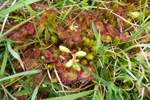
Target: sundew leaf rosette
59,48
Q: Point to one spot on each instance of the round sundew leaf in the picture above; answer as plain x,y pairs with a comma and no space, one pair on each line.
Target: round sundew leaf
69,63
85,74
70,76
80,54
99,26
77,68
64,49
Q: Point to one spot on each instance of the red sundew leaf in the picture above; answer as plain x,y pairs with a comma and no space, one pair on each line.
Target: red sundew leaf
112,31
43,94
36,52
58,63
38,78
49,58
71,15
68,77
83,26
47,23
40,29
17,36
85,76
22,97
48,14
88,18
32,63
33,6
27,53
30,27
51,16
65,34
17,65
77,37
99,26
123,38
118,10
47,53
120,23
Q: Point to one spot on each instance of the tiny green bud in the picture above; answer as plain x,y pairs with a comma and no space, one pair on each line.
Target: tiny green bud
55,80
108,39
135,14
80,19
88,23
80,54
126,33
77,67
69,63
53,39
90,35
64,49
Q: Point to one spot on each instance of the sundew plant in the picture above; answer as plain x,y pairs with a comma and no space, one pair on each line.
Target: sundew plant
74,49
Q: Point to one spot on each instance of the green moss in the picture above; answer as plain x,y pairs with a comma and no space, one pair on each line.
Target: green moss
116,39
93,48
128,24
89,56
86,42
130,6
84,62
91,43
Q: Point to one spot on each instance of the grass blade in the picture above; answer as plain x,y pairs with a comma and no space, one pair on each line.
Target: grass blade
16,6
94,29
31,11
13,53
99,45
120,3
140,30
21,74
73,96
67,12
35,93
9,94
4,63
